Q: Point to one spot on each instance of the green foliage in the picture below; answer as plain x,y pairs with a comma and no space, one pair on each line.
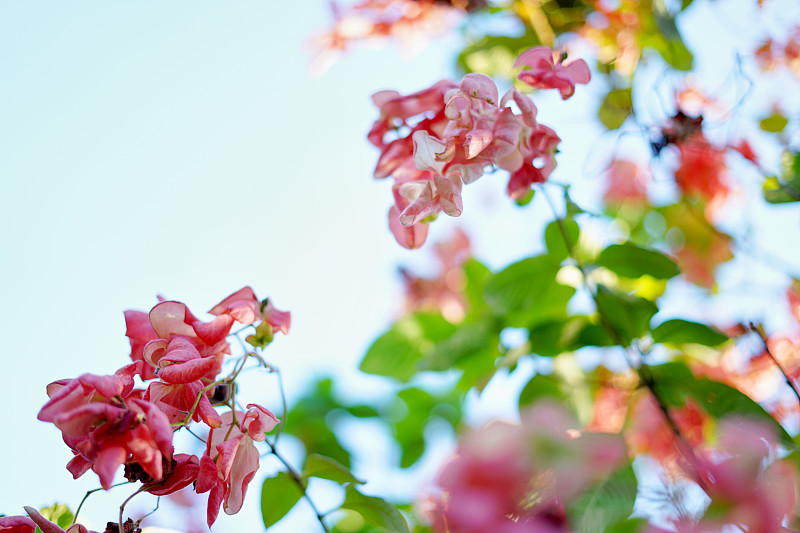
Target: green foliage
59,514
775,123
679,331
494,55
632,261
398,352
540,386
307,421
787,188
419,408
662,35
521,285
375,511
675,383
616,107
608,503
323,467
629,316
556,235
279,494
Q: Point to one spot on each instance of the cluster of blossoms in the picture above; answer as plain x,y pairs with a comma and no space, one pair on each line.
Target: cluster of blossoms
772,54
109,422
435,141
408,22
511,478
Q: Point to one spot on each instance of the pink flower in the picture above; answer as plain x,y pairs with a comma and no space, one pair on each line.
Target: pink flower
545,72
106,433
409,237
46,525
231,460
16,524
182,472
626,183
246,309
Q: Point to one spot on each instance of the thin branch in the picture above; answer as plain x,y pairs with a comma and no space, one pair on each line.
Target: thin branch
758,329
86,496
297,478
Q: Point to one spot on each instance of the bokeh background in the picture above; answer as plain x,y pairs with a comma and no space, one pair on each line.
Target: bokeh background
184,149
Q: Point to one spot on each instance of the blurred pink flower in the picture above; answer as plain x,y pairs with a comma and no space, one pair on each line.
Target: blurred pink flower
546,71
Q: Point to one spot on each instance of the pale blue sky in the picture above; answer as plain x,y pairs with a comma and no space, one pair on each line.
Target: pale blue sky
182,148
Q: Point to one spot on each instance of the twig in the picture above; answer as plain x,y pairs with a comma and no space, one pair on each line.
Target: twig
88,493
758,329
299,482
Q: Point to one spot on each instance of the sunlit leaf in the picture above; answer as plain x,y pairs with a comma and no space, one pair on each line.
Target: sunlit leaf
375,511
628,315
632,261
607,503
323,467
520,285
556,236
678,331
616,107
279,494
774,123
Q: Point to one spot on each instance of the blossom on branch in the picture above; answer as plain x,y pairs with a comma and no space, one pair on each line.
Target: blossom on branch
545,70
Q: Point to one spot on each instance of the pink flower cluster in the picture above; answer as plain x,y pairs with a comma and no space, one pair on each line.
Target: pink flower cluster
509,478
108,422
436,140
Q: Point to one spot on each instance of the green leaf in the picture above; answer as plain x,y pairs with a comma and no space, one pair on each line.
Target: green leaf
518,286
555,240
661,34
675,382
59,514
616,107
279,494
468,339
679,331
540,386
608,503
632,261
398,352
494,55
628,315
775,123
323,467
632,525
787,189
375,511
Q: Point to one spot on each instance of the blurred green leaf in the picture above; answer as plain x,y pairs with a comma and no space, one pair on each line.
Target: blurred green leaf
675,382
616,107
323,467
398,352
555,240
632,261
607,503
786,189
494,55
540,386
59,514
375,511
520,285
279,494
775,123
628,315
679,331
467,339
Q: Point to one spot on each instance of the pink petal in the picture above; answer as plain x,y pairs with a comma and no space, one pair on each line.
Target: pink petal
182,373
258,421
408,237
215,331
169,318
207,475
44,524
475,141
426,149
578,71
159,426
242,472
78,421
480,86
107,463
279,320
536,57
214,503
17,524
185,472
154,351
